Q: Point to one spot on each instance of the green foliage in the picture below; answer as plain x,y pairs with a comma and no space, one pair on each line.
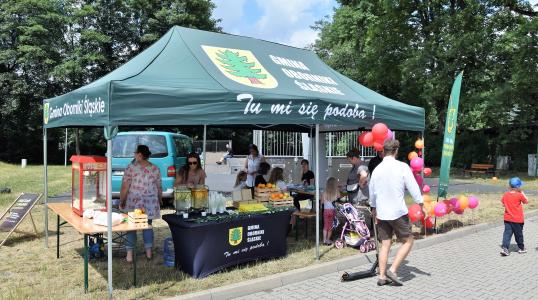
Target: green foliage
412,50
50,47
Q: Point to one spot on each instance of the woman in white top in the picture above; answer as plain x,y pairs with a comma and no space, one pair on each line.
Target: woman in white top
252,164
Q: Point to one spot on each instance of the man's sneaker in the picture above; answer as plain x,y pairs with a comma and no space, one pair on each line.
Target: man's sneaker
504,252
521,251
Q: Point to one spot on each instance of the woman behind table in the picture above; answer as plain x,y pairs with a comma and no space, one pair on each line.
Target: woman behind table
141,188
277,178
191,174
330,194
252,164
262,177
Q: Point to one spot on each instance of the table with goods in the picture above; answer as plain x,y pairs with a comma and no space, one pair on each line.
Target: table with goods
94,227
213,230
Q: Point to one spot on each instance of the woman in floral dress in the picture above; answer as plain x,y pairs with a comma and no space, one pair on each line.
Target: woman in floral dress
141,188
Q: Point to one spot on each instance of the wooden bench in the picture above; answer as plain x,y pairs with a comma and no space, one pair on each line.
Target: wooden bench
480,168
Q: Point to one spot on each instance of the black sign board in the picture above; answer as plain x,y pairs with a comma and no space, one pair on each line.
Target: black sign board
18,210
203,249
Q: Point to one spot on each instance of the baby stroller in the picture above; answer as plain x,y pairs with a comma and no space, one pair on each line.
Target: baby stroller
355,232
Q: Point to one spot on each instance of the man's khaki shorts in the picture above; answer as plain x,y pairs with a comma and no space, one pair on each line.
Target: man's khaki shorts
401,227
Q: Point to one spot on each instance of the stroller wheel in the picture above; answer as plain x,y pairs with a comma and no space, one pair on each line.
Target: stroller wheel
339,244
372,245
363,248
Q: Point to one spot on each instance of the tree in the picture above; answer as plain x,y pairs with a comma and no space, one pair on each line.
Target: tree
50,47
412,50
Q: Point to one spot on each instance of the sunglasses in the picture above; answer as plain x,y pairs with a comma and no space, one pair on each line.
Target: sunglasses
193,162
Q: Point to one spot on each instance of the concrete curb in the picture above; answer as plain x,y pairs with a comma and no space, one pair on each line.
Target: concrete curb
340,265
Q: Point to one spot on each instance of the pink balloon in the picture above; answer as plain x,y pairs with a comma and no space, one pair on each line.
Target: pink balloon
417,163
426,188
379,131
455,204
390,135
440,209
473,201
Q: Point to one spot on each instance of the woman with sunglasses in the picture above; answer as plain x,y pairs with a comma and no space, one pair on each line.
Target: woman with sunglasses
141,188
191,174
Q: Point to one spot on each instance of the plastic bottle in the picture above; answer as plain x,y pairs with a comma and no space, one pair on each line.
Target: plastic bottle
169,254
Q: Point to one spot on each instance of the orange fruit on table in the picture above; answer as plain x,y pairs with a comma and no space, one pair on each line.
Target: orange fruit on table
269,185
261,185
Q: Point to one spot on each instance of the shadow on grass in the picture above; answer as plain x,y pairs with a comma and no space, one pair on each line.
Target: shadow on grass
450,225
20,237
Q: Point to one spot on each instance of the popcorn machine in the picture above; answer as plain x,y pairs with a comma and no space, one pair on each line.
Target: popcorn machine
88,183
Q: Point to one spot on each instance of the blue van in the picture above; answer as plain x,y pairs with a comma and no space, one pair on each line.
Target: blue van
168,152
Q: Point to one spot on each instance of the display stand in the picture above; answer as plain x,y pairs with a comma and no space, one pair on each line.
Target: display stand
16,212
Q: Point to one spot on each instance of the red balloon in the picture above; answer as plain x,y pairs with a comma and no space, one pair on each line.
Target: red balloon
415,213
427,222
427,171
378,146
361,137
449,206
367,139
380,131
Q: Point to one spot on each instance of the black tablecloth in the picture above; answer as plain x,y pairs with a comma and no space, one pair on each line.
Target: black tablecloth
204,248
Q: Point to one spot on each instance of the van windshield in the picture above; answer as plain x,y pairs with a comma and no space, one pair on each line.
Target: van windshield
125,145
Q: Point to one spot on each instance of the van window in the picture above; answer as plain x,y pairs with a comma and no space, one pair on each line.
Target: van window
183,146
125,145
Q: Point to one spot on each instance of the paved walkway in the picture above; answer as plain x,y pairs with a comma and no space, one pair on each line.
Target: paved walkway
465,268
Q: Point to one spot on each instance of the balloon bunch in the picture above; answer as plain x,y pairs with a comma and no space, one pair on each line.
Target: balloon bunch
416,162
375,138
441,208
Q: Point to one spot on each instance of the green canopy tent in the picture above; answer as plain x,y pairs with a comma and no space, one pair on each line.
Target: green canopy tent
193,77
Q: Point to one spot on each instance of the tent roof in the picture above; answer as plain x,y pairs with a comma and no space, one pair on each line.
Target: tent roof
193,77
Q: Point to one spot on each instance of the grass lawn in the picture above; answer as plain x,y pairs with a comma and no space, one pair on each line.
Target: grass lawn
28,270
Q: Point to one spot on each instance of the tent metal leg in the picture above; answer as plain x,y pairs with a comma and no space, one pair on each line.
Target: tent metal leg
45,188
317,191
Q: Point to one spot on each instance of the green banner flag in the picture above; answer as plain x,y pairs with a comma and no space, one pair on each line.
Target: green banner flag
450,136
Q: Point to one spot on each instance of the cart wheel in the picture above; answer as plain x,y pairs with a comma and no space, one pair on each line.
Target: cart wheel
363,248
339,244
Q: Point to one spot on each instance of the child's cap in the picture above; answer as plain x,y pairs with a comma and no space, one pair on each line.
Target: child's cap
515,182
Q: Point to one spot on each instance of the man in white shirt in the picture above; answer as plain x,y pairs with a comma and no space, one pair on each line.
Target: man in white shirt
387,188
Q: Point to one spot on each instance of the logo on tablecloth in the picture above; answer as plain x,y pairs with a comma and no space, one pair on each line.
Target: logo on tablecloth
235,236
241,66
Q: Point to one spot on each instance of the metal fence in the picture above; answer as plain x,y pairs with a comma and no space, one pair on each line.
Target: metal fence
212,145
289,144
339,143
281,143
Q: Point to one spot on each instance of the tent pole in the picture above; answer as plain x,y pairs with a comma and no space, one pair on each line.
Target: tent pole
317,192
45,187
205,136
65,149
109,210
